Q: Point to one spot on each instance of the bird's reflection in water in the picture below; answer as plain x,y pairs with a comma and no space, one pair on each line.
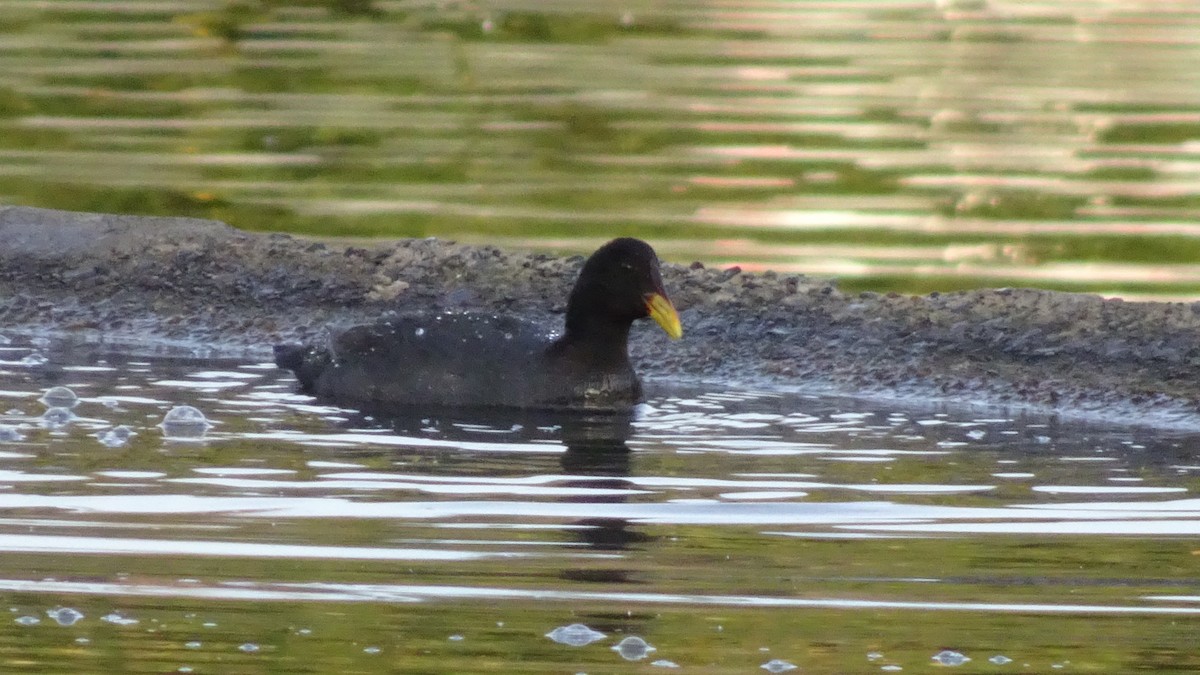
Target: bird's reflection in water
596,456
596,447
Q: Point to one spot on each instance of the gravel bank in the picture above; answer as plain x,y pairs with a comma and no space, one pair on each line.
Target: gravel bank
147,283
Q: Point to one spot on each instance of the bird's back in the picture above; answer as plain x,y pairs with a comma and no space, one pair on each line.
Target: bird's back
463,359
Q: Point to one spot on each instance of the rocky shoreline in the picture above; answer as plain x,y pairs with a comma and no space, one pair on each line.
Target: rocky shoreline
138,283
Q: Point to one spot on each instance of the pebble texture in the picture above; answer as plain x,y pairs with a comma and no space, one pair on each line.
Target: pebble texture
140,282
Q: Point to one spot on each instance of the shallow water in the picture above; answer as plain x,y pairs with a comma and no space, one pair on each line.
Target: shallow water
727,529
909,144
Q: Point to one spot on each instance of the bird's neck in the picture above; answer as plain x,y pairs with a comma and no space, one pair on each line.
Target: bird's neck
592,339
592,356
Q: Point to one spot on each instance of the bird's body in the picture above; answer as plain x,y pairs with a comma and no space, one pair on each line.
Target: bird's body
469,359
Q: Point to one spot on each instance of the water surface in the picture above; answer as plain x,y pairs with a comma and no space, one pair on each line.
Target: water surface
727,529
908,145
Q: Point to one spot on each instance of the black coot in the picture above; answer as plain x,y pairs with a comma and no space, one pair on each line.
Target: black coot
484,360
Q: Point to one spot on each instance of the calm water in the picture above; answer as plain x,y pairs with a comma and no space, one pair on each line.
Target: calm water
725,529
908,145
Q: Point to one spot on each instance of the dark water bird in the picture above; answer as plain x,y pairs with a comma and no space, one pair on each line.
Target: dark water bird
483,360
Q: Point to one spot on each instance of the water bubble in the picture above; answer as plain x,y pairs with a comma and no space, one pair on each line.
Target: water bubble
1000,660
65,616
372,650
455,638
419,332
575,635
34,359
10,434
249,647
892,668
116,436
59,397
27,620
634,648
184,422
116,619
82,640
778,666
194,644
663,663
948,657
56,418
874,656
185,414
184,669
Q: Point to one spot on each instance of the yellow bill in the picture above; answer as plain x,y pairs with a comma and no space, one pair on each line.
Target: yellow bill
664,314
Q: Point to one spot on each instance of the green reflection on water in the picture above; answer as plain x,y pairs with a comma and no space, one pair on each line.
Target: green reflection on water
299,637
377,119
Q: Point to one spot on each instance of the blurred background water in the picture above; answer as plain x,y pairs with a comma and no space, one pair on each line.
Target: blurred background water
898,145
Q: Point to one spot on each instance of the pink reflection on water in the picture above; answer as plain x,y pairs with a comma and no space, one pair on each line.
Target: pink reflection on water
742,182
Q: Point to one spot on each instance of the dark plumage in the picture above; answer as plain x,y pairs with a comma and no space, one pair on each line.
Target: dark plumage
485,360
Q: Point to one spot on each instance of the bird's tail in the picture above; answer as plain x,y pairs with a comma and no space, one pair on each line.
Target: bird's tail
306,362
